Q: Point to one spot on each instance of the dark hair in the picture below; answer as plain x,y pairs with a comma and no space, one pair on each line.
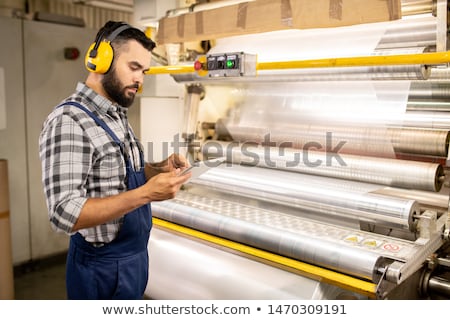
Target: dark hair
127,34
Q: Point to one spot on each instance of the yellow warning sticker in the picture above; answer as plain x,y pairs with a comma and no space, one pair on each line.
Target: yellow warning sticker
354,238
372,243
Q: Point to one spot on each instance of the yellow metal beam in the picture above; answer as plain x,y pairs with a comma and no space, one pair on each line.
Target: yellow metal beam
429,58
171,69
434,58
317,273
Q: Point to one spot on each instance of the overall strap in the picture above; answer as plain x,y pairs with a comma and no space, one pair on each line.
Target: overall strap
99,121
102,123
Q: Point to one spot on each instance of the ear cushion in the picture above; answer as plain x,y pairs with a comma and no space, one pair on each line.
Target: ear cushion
100,60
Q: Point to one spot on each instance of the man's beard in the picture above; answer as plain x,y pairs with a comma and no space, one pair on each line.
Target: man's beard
115,89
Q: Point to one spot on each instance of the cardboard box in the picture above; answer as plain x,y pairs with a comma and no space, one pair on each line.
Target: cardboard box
271,15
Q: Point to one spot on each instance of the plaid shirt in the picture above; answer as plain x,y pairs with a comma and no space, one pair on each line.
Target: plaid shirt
80,160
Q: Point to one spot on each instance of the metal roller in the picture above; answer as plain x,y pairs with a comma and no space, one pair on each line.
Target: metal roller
427,119
435,90
323,252
420,141
413,7
412,72
410,33
391,172
440,73
425,198
313,194
369,141
428,106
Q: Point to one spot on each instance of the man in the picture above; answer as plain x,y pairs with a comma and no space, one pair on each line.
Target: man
97,188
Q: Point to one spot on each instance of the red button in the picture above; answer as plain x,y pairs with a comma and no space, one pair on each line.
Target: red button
198,65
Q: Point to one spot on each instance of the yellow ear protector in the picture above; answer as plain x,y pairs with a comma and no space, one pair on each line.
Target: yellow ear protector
100,54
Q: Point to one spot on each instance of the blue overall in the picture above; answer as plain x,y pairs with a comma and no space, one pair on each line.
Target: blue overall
119,269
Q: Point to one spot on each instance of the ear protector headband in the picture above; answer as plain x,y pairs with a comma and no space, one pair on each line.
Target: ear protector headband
100,54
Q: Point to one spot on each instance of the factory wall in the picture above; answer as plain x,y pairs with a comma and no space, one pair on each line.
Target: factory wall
36,78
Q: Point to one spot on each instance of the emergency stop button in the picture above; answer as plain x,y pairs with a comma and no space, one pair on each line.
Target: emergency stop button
198,65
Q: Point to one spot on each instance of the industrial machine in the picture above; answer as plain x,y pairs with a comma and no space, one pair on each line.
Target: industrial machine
335,183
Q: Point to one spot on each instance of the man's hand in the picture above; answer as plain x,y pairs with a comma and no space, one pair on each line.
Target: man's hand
165,185
173,162
177,161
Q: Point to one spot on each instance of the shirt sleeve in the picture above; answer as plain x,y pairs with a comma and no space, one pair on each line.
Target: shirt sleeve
66,155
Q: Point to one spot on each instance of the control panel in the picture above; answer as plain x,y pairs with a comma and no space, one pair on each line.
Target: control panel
236,64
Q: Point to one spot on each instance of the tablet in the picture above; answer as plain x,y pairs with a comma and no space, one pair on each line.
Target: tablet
200,167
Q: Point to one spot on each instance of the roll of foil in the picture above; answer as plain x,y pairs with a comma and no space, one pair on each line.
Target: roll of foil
391,172
316,195
368,141
327,253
